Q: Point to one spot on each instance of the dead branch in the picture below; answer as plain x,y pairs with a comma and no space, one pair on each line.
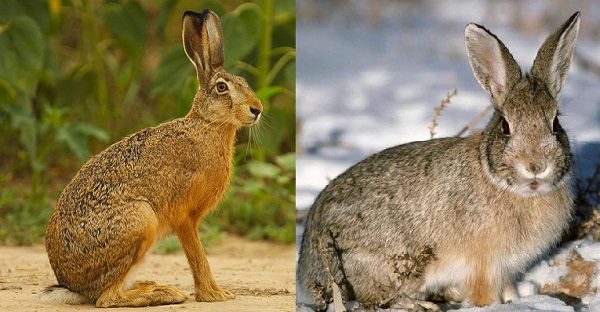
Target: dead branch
338,253
438,112
587,221
475,121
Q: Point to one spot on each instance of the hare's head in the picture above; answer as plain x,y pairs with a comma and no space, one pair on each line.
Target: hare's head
222,98
524,149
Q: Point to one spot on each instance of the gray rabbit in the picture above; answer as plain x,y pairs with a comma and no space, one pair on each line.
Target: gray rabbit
457,217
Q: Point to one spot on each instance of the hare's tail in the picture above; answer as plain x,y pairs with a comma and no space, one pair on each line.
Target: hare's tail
61,294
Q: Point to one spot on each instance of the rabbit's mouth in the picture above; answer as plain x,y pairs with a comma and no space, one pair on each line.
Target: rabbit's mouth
532,187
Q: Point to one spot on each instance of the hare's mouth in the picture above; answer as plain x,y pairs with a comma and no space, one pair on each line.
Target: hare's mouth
252,120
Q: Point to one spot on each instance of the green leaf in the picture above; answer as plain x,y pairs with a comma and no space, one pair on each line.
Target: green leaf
215,6
7,92
129,24
23,121
90,130
263,169
166,8
283,179
241,33
286,161
76,135
172,72
266,93
23,46
28,138
76,143
36,10
281,117
285,11
53,116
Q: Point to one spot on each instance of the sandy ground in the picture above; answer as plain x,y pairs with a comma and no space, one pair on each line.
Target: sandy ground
260,274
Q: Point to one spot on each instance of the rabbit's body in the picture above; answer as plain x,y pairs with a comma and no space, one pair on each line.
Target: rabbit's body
168,176
460,217
398,202
157,181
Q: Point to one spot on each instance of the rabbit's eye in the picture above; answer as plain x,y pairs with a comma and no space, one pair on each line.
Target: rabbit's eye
556,125
222,87
505,127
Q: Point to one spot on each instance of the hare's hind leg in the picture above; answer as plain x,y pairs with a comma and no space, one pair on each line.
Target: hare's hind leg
140,295
138,236
206,289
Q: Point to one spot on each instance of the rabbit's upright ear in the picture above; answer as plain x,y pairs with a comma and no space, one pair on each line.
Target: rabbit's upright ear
554,57
203,43
494,67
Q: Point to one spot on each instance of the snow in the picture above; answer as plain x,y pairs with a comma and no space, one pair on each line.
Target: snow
533,303
363,87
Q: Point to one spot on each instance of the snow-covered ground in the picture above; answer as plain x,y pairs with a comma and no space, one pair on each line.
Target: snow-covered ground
362,87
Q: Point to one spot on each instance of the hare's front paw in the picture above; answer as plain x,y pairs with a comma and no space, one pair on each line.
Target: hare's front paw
213,294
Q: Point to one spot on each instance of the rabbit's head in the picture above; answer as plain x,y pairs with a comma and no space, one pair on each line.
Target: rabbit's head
524,149
222,98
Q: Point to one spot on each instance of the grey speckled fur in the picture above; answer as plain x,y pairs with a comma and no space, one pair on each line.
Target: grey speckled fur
486,205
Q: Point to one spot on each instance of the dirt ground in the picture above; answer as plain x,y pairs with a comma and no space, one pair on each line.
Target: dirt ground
260,274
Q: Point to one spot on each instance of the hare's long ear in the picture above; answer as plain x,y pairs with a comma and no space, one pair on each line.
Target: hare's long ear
554,57
203,43
494,67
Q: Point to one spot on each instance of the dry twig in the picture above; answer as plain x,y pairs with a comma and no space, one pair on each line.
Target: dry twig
475,121
438,112
338,253
587,221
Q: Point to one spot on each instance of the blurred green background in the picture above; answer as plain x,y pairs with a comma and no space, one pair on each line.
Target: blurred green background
76,76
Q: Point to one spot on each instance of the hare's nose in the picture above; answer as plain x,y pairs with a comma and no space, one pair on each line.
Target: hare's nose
255,112
536,167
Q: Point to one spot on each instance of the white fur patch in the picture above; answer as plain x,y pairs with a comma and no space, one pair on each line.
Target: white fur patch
452,273
61,295
509,294
524,172
530,175
546,173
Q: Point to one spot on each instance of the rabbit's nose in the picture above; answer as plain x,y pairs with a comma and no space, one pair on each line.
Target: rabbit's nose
255,111
536,167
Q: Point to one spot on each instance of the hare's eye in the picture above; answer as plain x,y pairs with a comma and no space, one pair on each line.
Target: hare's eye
556,125
505,127
222,87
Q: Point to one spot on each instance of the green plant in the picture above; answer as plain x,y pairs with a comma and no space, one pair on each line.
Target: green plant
78,75
256,206
21,220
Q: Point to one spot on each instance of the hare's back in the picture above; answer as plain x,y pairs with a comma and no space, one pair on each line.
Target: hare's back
136,167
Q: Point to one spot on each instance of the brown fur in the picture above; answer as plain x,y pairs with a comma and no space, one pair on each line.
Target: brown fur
154,182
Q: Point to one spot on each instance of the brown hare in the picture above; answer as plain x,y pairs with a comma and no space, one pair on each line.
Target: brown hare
154,182
457,217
